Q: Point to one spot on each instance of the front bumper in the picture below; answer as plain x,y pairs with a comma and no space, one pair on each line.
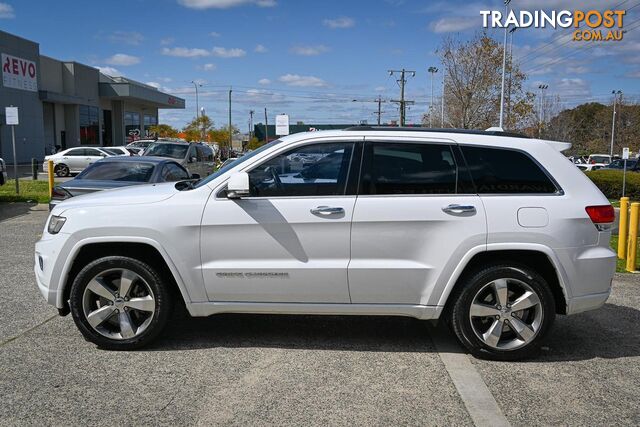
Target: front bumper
50,255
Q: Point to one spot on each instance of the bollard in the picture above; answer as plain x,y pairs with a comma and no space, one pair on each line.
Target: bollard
34,169
50,176
633,237
623,228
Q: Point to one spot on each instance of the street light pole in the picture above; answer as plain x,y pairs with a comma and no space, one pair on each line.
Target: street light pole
511,31
230,133
504,63
541,116
613,120
433,71
197,102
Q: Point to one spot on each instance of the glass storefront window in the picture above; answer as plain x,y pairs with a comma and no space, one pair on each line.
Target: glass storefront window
89,125
132,125
148,122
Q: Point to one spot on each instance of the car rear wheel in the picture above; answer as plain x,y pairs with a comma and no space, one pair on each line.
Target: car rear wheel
120,303
61,170
503,312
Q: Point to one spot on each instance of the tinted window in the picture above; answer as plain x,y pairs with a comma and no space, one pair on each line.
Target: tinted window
407,168
118,171
496,170
92,152
310,170
75,152
172,172
174,151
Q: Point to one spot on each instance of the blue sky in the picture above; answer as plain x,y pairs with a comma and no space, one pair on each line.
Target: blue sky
311,58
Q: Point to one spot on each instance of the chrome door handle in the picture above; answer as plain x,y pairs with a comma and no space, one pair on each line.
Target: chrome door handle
327,210
459,209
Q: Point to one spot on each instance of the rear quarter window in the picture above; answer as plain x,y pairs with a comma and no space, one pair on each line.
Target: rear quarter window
504,171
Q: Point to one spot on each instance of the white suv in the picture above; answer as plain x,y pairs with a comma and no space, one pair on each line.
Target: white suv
493,232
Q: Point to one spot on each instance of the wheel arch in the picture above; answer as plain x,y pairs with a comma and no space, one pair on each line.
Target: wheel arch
145,250
537,257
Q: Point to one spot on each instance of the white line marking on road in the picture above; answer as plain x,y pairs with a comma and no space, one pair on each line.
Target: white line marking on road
473,391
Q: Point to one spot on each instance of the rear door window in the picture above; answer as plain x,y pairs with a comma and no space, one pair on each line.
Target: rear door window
410,168
504,171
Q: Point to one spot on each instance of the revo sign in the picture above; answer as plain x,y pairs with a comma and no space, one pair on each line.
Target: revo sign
19,73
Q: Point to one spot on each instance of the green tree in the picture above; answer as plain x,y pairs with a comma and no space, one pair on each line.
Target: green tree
221,135
197,128
163,131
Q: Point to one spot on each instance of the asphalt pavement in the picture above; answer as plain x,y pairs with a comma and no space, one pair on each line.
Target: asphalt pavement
301,370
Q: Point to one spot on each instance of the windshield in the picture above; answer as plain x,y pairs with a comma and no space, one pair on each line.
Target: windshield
163,149
118,171
237,162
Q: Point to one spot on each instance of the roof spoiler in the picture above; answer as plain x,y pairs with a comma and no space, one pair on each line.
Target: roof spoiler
558,145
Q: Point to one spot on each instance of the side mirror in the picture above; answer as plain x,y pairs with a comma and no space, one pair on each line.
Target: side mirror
195,176
238,185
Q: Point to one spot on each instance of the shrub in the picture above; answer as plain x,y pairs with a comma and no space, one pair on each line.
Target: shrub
610,183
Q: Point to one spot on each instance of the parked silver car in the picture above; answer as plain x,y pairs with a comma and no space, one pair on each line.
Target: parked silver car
197,158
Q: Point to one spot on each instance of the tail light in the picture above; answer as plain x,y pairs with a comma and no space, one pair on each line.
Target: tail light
602,216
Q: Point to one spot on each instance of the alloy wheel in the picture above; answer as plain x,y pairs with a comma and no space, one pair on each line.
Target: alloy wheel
118,304
506,314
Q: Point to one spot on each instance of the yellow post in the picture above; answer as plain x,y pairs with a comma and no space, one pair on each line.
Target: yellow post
623,227
50,175
633,237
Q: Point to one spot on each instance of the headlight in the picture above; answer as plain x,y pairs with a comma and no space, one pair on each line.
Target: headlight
55,224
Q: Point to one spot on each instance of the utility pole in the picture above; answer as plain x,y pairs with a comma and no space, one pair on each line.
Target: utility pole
402,102
504,63
511,31
541,115
197,106
379,101
266,126
251,124
613,120
230,131
202,114
433,71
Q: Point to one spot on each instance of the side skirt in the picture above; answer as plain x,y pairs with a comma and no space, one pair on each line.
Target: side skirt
424,312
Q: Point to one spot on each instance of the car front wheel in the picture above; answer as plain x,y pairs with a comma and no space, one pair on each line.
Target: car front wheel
503,312
120,303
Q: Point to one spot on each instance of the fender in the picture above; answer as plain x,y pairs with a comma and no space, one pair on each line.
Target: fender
118,239
464,261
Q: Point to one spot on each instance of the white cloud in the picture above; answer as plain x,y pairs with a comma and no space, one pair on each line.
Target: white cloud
122,59
209,67
214,34
127,37
165,79
154,84
185,52
6,11
303,81
224,4
380,89
260,49
342,22
264,81
167,41
227,53
454,24
109,71
309,50
573,87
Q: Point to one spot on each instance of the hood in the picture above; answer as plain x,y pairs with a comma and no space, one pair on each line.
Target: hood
132,195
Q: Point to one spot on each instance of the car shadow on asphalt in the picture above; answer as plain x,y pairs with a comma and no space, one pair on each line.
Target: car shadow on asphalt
12,210
352,333
610,333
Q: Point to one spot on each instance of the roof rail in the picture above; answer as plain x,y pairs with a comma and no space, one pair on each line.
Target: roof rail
424,129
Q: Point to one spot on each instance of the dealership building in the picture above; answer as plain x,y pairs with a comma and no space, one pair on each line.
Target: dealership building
68,104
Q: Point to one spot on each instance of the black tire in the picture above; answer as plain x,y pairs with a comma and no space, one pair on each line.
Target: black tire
473,285
160,293
62,170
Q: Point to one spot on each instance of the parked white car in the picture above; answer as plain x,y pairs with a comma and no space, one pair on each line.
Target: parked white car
3,172
492,232
590,167
119,151
74,160
599,159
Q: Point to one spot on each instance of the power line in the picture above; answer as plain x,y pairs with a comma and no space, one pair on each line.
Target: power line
402,81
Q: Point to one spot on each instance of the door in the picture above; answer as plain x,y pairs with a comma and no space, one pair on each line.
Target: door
415,217
288,241
91,156
74,159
